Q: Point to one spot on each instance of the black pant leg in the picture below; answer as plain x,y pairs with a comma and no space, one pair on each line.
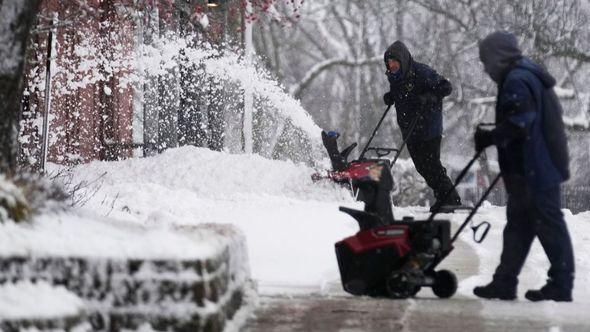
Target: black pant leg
519,231
554,237
426,158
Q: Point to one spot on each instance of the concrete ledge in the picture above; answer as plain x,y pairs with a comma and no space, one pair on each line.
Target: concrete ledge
198,294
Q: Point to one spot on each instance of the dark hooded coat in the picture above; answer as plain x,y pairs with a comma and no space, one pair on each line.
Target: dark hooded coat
407,92
530,134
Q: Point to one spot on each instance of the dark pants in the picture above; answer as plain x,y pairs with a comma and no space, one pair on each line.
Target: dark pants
535,213
426,158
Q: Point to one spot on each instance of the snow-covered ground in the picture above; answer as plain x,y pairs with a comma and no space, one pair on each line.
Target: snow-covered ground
290,223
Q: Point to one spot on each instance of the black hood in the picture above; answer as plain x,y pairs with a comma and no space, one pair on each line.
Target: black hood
399,52
528,64
497,52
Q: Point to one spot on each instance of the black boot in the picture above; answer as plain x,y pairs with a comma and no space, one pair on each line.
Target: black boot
446,204
551,291
497,289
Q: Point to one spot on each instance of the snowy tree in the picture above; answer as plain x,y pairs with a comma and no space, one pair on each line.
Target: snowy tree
333,60
16,18
21,195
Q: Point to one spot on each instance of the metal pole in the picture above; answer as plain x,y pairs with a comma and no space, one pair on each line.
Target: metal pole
45,134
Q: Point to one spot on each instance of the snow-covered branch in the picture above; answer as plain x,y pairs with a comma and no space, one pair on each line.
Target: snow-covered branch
320,67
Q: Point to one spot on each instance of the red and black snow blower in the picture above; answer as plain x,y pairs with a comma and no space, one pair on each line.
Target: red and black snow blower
387,257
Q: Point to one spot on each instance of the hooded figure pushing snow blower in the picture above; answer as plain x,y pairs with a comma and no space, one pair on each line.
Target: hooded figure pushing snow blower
417,92
533,157
387,257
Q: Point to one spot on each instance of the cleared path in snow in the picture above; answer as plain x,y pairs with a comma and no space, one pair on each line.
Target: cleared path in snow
335,310
338,311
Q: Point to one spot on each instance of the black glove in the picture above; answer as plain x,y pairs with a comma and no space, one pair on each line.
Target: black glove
388,98
483,138
428,99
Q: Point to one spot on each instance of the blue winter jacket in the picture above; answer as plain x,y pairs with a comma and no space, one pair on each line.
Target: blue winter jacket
529,136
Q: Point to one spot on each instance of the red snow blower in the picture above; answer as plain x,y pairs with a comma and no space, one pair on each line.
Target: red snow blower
395,258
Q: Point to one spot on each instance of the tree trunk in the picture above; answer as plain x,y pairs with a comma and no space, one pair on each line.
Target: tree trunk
16,18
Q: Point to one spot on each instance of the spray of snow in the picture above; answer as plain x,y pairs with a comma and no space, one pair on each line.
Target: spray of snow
165,57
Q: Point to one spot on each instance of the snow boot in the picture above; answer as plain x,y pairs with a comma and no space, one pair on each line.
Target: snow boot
448,204
499,288
551,291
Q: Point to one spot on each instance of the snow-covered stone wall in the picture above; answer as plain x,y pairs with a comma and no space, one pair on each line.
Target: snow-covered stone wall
171,294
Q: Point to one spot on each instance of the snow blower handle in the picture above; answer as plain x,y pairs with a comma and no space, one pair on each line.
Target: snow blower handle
457,181
366,148
410,132
462,175
486,225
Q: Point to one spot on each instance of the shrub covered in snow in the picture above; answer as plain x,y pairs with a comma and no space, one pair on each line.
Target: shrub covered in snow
27,194
13,204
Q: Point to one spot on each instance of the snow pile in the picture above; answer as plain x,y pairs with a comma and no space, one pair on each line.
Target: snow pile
174,182
290,223
27,300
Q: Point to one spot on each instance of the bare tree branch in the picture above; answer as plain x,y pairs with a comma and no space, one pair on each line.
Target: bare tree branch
319,68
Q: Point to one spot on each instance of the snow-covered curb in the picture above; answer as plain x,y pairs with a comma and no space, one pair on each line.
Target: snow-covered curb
127,275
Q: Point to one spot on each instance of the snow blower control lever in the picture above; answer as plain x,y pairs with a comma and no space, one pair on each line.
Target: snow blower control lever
483,226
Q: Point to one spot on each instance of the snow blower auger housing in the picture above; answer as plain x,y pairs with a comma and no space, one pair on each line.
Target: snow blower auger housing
396,260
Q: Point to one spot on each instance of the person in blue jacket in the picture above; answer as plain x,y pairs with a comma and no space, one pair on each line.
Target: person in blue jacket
417,92
533,157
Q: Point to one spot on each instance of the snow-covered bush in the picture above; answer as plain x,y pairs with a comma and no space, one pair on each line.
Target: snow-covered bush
13,204
28,194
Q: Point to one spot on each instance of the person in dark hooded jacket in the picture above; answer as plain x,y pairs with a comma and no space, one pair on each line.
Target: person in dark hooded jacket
532,152
417,92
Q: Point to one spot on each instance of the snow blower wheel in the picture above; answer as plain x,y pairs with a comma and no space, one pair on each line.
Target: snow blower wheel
445,284
398,286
